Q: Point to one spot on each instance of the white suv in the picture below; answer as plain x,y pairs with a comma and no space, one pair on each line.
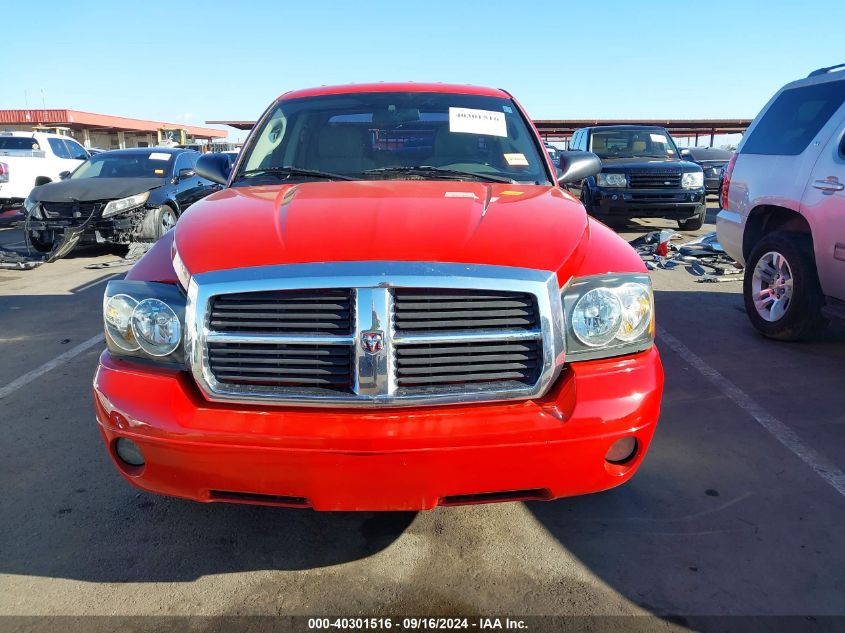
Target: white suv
783,208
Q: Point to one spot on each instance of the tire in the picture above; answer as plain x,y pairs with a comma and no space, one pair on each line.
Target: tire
43,242
693,224
586,200
781,288
157,222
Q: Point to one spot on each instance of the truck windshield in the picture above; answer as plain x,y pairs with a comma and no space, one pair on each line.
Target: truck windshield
149,164
402,135
654,142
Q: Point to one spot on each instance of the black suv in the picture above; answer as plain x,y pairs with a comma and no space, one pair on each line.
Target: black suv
712,161
642,176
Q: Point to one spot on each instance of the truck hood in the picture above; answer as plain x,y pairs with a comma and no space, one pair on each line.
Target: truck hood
618,165
527,226
89,189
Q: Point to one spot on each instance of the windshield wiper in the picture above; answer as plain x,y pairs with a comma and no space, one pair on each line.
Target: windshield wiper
295,171
438,171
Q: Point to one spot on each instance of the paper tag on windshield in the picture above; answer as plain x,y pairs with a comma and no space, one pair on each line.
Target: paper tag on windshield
657,138
516,160
159,156
470,121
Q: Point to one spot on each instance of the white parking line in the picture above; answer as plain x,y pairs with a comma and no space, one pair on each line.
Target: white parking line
28,377
782,433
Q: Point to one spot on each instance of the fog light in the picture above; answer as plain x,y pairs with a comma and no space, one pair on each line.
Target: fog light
129,452
622,450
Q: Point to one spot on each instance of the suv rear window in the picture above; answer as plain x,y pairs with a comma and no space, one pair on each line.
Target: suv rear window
794,119
18,142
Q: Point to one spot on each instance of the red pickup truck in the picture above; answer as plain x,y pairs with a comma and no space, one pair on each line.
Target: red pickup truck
392,305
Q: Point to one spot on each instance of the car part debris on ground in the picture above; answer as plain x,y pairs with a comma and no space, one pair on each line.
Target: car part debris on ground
25,257
136,251
703,257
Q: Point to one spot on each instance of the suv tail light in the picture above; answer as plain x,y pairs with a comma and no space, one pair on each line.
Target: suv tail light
726,182
4,172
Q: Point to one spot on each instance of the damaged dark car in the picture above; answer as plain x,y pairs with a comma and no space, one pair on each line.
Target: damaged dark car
119,197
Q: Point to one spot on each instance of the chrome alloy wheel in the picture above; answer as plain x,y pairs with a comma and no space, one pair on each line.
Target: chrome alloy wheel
771,286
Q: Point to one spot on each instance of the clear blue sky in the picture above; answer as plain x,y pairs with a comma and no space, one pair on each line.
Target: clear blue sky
193,61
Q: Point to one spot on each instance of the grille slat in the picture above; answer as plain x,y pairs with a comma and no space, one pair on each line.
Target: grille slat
300,311
269,324
463,378
470,367
418,310
478,358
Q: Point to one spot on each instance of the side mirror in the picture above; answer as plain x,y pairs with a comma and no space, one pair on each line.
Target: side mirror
185,173
64,175
214,167
576,166
42,180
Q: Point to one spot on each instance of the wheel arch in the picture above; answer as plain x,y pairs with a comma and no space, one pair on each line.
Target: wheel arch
765,219
170,202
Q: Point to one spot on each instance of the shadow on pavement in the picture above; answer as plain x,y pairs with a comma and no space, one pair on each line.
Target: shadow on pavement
721,518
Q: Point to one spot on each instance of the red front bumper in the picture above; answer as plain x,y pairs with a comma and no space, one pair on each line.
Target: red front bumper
381,459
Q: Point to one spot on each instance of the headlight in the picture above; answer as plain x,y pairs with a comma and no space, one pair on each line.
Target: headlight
29,204
612,180
692,179
117,315
608,315
145,320
156,327
125,204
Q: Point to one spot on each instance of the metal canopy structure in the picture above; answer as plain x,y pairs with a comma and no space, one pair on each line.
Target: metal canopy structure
76,119
560,130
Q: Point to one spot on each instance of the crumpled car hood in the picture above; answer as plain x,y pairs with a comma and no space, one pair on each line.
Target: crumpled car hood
527,226
88,189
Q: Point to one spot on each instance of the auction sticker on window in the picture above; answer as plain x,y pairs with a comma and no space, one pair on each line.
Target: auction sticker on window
516,160
159,156
471,121
657,138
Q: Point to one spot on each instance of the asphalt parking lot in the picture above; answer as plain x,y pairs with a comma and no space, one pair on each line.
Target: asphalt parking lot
737,510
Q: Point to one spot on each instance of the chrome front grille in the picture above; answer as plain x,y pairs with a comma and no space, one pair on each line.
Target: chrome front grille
374,333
